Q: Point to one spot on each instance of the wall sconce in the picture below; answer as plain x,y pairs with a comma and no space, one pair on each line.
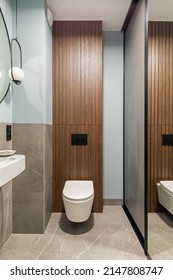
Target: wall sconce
16,74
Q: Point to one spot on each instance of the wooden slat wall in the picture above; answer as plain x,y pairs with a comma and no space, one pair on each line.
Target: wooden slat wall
78,60
77,105
160,107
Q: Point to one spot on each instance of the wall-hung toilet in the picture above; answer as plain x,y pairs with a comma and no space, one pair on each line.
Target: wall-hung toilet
78,199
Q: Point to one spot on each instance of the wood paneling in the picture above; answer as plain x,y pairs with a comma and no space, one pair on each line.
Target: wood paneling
77,106
78,57
160,107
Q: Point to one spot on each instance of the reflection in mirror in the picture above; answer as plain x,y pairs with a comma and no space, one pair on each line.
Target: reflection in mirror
4,58
160,122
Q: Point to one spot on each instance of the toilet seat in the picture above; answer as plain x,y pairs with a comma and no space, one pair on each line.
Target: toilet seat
167,186
78,190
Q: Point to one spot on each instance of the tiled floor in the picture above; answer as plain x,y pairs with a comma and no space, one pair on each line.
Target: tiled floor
160,236
106,235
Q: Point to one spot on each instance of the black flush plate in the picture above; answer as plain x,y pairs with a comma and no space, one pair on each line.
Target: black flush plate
167,139
79,139
8,132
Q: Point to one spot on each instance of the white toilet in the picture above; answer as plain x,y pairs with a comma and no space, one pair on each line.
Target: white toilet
165,194
78,199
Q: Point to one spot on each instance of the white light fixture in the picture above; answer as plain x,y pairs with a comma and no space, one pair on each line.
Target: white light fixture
15,73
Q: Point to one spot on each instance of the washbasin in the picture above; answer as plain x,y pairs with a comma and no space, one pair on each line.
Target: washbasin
10,167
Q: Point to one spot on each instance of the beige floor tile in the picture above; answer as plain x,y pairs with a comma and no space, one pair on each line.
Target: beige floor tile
160,236
106,235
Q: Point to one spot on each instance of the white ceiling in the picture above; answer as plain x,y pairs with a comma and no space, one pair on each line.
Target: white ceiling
111,12
160,10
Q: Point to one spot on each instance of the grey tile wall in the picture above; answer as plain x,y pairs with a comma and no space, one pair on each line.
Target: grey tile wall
32,189
47,171
5,212
5,195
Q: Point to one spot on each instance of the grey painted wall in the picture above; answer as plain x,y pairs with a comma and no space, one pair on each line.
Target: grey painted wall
135,116
112,115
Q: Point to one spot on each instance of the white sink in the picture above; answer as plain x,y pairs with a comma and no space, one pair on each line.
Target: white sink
10,167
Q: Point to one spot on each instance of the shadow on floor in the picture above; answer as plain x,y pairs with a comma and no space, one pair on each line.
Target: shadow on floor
166,217
76,228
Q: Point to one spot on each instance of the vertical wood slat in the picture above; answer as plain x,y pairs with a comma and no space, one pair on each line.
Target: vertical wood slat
79,72
67,83
160,107
77,106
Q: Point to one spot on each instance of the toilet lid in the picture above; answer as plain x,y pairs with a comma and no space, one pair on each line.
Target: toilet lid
78,190
167,185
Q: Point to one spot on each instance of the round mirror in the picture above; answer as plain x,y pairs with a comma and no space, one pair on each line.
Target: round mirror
4,58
